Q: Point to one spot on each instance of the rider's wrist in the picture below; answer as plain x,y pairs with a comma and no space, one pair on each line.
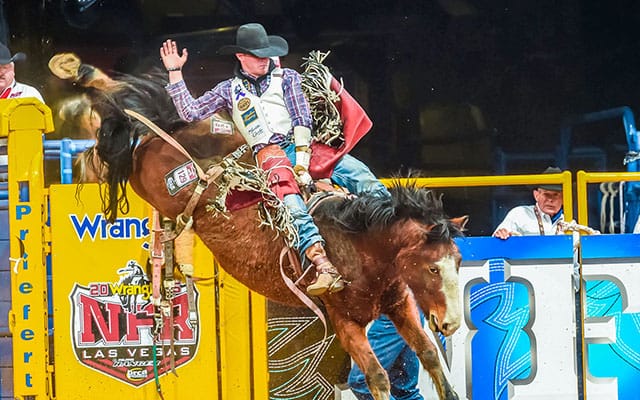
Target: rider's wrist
172,69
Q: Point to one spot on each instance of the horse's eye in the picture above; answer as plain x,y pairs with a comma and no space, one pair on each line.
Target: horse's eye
434,270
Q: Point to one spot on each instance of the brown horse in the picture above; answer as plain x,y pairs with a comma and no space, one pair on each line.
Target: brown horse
396,253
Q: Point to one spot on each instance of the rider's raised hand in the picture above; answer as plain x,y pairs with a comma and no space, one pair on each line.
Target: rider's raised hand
171,57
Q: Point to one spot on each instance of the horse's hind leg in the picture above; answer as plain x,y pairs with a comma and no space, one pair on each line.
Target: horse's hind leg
407,320
354,341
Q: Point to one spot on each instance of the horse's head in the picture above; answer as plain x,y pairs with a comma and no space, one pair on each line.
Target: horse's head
411,229
428,258
428,263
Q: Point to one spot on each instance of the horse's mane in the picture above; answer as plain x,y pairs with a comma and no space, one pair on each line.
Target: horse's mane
371,212
119,133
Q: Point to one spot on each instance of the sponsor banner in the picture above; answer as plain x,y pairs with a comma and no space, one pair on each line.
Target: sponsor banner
518,335
104,325
611,271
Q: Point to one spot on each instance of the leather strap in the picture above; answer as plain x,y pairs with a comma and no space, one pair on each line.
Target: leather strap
185,218
167,138
169,286
157,258
299,293
540,224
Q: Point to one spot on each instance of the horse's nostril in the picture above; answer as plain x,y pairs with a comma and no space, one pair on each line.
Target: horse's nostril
445,327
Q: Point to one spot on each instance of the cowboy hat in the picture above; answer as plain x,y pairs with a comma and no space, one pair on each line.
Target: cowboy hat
253,39
7,58
551,186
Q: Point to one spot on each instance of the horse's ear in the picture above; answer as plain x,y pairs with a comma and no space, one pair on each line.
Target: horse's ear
460,222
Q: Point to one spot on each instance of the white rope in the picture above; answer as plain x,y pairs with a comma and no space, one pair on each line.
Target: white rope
623,216
273,213
603,205
607,206
614,192
573,226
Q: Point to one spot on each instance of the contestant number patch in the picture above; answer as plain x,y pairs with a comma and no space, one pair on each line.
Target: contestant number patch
221,127
249,116
180,177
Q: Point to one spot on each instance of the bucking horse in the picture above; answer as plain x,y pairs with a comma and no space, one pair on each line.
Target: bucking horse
396,253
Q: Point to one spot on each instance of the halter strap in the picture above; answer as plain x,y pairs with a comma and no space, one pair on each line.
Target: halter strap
185,218
169,139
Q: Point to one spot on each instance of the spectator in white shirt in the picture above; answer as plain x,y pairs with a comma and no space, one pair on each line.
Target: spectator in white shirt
542,218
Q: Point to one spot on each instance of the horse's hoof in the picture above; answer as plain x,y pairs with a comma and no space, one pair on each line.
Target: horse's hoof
452,396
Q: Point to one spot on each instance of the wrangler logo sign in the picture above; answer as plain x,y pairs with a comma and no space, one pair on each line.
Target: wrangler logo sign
99,228
112,328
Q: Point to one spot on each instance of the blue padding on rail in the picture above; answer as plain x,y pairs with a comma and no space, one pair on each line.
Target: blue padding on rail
623,245
516,248
64,150
77,145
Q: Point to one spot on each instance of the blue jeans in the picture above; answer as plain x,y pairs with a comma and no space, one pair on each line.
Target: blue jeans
396,357
349,173
308,232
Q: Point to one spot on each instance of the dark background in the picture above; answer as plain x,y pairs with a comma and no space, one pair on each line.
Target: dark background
449,84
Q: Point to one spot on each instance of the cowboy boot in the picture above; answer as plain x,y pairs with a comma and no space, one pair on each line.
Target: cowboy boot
327,277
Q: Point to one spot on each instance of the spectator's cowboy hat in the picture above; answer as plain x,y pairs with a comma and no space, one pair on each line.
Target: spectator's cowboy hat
253,39
7,58
551,186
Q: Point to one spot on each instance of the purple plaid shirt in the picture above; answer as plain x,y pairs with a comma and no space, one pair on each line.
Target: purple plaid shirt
191,109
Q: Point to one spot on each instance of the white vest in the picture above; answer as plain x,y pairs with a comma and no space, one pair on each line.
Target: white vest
258,118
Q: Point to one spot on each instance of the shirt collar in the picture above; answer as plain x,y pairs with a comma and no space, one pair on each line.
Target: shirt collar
553,218
7,91
255,83
243,75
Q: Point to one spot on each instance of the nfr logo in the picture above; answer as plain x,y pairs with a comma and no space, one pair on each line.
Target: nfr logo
113,327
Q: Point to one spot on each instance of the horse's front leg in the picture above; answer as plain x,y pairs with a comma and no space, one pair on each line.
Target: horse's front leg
407,320
354,341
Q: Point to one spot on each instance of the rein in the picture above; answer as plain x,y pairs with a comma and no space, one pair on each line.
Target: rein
185,218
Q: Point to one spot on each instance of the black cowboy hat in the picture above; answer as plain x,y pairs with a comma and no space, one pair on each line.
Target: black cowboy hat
253,39
6,57
551,186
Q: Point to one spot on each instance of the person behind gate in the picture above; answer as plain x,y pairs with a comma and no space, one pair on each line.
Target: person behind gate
542,218
269,109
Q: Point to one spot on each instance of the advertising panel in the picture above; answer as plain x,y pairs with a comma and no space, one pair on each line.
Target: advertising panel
107,341
611,271
518,336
